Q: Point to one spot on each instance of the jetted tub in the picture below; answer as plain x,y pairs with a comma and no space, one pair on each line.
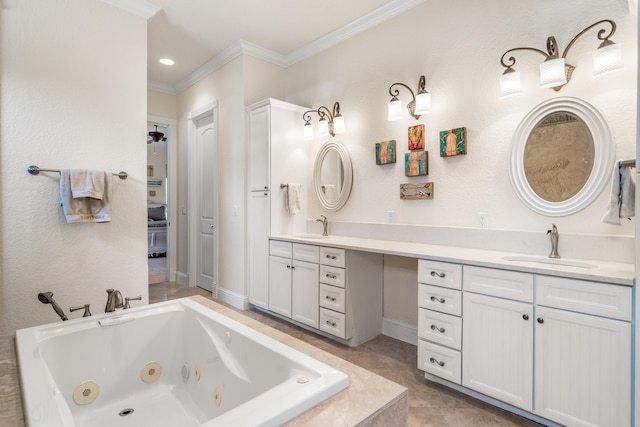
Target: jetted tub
176,363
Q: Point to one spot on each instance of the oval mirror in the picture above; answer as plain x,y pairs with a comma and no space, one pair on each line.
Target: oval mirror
561,154
333,176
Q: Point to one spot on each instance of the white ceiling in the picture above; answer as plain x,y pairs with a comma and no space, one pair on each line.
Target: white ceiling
200,35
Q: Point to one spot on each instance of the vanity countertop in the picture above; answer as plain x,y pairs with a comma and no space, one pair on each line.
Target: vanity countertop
598,271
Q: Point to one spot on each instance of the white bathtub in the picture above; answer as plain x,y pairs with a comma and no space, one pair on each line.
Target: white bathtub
202,368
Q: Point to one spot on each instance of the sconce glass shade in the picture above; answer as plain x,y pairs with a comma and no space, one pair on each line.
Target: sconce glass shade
308,131
338,124
395,109
510,83
552,73
423,103
607,59
323,127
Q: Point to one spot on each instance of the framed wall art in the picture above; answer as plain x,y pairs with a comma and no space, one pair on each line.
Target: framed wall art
386,152
416,163
415,140
453,142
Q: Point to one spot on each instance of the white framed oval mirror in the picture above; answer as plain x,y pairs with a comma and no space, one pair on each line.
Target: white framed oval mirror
561,155
333,176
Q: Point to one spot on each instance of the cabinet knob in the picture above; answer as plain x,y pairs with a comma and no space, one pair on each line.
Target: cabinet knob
525,316
288,266
432,360
540,320
440,300
266,187
435,328
266,194
440,275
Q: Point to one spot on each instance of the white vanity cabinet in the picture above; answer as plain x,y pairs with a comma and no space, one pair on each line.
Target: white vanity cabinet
439,319
564,355
293,281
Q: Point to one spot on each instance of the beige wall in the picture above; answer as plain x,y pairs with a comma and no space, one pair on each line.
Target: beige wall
73,95
161,104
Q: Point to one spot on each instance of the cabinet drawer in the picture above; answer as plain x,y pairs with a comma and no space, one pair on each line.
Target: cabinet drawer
440,299
440,274
600,299
332,256
500,283
440,361
332,297
278,248
308,253
333,276
440,328
333,322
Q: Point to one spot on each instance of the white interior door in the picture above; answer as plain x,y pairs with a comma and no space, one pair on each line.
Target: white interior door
203,200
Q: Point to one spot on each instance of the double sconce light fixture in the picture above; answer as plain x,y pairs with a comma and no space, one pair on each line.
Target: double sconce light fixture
554,71
330,123
420,103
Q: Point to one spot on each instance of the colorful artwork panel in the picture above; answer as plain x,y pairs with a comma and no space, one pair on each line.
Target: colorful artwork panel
453,142
416,163
416,137
386,152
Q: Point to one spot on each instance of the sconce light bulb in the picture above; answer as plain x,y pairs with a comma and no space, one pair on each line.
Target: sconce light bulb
338,124
308,131
510,83
423,103
552,73
607,59
395,109
323,127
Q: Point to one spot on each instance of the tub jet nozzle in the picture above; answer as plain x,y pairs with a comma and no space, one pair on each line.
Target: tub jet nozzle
47,298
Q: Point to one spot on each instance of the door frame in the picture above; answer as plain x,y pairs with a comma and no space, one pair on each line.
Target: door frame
194,190
172,191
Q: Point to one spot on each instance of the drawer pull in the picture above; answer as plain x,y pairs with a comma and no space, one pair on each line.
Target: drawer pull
432,360
435,328
330,323
440,275
332,299
330,276
540,320
525,316
288,266
440,300
331,257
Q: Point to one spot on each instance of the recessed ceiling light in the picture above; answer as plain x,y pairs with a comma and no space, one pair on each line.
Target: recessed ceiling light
167,61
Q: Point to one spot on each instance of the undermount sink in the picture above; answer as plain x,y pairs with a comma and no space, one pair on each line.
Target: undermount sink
310,236
554,261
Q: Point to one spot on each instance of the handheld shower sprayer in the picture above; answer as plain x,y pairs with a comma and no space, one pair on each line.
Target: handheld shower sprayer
47,298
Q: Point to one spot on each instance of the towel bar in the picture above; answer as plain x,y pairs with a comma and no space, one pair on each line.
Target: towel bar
284,185
35,170
628,164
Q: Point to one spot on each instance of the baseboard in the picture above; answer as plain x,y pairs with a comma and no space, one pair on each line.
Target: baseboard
232,298
172,275
400,330
182,279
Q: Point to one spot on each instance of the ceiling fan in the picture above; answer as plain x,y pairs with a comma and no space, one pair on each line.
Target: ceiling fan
155,136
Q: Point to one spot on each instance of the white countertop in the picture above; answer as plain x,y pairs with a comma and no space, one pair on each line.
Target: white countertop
599,271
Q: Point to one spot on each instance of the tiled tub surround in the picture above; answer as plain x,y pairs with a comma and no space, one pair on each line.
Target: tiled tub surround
369,399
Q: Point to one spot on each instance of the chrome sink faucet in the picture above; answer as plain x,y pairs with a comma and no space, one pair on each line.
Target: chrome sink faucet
554,236
114,300
325,223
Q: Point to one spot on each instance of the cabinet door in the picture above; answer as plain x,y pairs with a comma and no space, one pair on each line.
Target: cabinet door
306,290
259,138
583,369
497,348
258,247
280,285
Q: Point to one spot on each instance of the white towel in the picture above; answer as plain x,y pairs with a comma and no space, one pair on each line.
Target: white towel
292,198
330,193
83,208
622,199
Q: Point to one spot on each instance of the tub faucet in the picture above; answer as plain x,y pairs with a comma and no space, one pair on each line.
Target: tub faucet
87,312
114,300
127,299
47,298
554,236
325,223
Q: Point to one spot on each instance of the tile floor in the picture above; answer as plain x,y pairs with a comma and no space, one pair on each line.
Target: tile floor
430,405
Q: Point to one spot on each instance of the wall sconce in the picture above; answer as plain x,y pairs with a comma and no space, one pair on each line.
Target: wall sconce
554,71
420,104
330,123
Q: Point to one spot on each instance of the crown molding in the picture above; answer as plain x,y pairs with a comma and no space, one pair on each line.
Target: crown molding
243,47
160,87
137,7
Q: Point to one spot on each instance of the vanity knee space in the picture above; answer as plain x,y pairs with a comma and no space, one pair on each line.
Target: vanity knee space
513,322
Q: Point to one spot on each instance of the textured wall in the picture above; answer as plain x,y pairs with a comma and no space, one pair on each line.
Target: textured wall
72,94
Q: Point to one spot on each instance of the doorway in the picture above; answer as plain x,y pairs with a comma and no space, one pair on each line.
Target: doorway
161,199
